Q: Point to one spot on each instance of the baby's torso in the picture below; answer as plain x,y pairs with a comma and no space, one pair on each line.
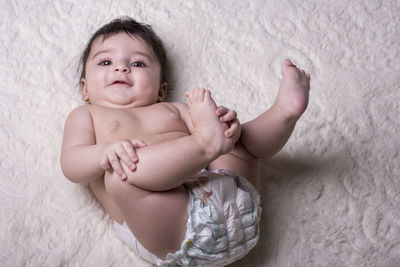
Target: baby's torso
151,124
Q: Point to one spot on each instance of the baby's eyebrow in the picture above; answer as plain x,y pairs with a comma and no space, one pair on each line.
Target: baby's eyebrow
100,52
144,54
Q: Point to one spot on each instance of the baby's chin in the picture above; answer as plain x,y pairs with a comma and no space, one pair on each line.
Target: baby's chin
124,104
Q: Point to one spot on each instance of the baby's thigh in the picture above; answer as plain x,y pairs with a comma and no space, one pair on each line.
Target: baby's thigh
241,162
157,219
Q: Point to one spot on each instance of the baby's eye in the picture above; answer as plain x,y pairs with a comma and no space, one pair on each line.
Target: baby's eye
105,63
138,64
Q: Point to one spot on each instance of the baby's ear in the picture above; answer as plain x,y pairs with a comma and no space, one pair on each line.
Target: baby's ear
162,92
84,90
83,86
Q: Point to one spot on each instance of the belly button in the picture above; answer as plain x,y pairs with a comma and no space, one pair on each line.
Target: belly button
113,126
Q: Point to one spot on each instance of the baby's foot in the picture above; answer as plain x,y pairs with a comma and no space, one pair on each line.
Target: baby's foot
292,99
207,127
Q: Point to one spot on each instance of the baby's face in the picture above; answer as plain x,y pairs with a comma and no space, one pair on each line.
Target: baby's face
122,72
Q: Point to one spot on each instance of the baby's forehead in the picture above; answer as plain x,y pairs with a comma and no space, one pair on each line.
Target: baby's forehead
121,40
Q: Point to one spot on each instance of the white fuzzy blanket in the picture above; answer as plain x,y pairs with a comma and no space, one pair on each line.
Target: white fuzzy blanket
330,198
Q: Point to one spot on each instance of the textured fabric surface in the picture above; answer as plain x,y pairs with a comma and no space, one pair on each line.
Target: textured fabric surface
330,197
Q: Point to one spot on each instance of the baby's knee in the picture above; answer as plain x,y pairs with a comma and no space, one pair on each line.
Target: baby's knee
120,190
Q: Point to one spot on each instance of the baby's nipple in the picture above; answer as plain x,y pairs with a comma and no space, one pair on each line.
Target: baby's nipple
113,126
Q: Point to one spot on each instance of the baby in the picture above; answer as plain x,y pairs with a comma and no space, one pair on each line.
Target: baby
181,181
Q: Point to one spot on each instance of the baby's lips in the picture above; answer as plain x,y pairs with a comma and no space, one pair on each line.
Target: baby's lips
121,81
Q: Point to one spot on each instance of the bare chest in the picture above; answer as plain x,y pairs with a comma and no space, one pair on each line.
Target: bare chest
151,124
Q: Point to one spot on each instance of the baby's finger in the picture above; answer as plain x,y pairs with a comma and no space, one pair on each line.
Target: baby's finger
105,164
234,129
138,143
221,111
130,150
127,156
116,166
231,115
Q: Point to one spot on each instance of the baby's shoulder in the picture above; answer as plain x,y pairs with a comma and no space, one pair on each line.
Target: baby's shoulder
180,107
173,107
80,113
81,109
183,110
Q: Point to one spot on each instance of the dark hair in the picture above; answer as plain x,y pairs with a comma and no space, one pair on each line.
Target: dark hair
130,27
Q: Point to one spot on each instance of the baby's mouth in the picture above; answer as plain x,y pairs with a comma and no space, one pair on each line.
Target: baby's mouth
120,82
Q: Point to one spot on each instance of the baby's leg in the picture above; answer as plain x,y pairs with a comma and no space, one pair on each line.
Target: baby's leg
269,132
241,162
158,218
167,165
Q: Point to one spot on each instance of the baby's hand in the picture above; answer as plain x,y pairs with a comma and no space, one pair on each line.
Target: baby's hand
229,116
120,151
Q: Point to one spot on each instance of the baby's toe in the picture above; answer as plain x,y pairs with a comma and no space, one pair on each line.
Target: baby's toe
287,66
287,63
195,95
207,95
200,92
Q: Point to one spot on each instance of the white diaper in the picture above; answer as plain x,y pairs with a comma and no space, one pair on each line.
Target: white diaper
223,222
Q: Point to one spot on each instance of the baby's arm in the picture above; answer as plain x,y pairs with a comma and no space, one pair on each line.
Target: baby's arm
82,159
78,157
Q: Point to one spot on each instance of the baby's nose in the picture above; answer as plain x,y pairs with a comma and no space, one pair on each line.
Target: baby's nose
122,67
